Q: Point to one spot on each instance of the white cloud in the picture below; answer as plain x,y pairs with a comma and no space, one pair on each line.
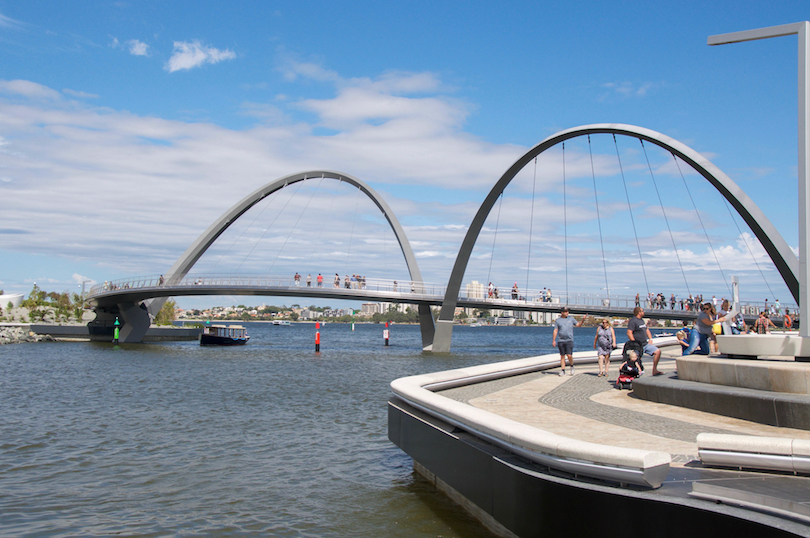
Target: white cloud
28,89
81,95
75,163
628,89
13,24
191,54
138,48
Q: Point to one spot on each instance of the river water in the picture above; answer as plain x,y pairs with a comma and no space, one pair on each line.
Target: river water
267,439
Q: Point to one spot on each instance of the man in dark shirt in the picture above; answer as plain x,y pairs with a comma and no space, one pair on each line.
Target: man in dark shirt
637,330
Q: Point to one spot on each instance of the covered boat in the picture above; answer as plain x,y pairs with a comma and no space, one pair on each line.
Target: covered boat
224,335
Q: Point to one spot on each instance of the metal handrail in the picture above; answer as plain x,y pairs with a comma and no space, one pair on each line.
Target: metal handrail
404,288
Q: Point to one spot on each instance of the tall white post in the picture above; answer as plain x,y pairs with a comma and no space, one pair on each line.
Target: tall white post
800,29
804,180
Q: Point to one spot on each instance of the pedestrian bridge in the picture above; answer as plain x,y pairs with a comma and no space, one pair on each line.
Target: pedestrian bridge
138,289
137,300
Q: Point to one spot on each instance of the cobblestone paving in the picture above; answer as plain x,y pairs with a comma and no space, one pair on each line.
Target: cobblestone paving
573,396
470,392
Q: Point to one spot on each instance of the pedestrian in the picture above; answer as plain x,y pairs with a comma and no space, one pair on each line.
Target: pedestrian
320,280
337,280
297,279
683,337
699,337
515,291
605,341
637,330
490,289
763,324
309,280
563,338
638,303
395,286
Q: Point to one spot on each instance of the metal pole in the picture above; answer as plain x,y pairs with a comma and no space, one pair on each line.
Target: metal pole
800,29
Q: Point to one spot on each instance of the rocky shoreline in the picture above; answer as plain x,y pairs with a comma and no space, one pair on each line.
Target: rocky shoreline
21,335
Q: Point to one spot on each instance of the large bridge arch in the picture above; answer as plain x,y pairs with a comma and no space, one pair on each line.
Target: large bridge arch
777,248
193,253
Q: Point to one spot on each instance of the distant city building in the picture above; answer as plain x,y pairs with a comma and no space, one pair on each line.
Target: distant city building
369,309
476,290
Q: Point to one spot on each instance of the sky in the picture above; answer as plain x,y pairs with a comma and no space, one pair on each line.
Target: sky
127,128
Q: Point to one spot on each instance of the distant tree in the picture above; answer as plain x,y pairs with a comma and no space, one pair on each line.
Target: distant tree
294,316
167,314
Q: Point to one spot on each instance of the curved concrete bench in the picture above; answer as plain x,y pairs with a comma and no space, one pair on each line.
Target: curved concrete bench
754,345
772,453
624,465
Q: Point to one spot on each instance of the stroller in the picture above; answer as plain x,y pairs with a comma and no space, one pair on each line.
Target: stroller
626,376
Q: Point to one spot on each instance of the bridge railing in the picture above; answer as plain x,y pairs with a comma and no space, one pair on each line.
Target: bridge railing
382,286
498,298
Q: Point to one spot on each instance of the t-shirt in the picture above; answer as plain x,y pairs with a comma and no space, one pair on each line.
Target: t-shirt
639,328
702,327
565,329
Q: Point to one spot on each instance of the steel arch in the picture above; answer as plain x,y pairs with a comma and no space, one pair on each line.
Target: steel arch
193,253
777,248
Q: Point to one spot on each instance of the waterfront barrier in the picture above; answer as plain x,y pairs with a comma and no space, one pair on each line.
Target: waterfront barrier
746,451
624,465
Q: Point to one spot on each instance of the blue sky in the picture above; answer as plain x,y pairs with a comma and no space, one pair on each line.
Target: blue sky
126,128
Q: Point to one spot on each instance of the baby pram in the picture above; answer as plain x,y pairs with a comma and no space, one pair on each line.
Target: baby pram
627,375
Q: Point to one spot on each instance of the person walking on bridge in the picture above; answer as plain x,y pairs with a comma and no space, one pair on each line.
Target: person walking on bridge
563,338
637,330
320,280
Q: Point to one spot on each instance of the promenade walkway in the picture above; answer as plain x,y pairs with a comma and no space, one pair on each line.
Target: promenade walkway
590,408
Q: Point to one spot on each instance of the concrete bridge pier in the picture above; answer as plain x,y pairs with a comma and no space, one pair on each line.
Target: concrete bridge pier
426,325
134,318
442,337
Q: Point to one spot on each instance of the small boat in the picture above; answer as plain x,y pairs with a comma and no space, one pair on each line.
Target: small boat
224,335
282,322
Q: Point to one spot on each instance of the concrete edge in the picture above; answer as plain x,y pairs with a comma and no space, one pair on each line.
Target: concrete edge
605,462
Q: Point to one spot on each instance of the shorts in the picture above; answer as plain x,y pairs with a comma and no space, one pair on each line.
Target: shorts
566,348
650,349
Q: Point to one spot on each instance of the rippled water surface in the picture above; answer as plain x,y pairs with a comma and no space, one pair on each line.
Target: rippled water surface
268,439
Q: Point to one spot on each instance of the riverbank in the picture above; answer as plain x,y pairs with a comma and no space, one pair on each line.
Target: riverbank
21,334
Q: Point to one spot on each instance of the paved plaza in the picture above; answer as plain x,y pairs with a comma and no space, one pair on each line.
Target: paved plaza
590,408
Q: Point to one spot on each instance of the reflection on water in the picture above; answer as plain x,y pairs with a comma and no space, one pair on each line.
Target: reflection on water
263,439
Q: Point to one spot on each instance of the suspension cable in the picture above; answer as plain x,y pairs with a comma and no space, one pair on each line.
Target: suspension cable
711,247
271,224
632,220
531,226
664,211
249,226
747,246
324,220
494,237
598,219
351,235
565,225
294,226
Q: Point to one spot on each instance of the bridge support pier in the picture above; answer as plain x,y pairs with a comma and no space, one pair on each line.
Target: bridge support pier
443,336
134,318
426,325
136,322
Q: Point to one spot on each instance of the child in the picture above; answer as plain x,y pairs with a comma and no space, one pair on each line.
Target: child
630,366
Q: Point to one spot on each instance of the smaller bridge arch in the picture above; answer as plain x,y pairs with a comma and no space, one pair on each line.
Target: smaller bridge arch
777,248
137,316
